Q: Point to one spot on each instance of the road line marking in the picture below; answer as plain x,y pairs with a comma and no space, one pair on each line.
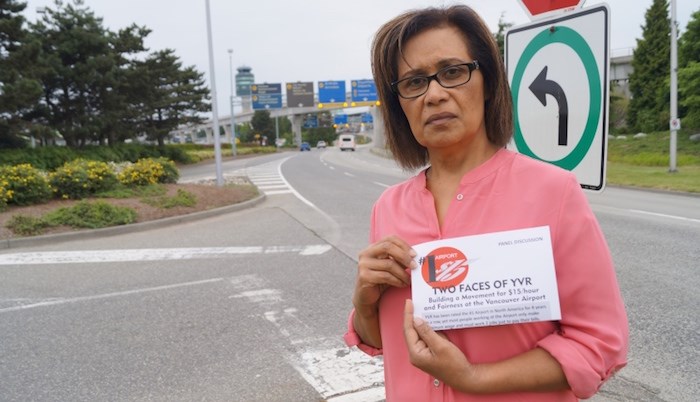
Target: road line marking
381,184
54,302
349,174
276,192
683,218
93,256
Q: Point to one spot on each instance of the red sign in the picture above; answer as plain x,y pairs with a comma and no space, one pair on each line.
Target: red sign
536,7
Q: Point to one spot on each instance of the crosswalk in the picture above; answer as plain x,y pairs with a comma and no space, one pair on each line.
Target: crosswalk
267,178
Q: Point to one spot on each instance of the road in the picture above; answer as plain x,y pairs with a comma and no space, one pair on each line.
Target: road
251,305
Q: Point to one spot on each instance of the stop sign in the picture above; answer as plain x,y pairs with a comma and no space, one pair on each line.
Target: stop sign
539,8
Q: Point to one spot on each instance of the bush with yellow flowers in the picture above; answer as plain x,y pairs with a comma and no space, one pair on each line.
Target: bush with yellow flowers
81,178
5,194
26,184
148,171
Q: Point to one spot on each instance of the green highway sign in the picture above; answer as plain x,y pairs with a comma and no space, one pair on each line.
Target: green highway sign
558,72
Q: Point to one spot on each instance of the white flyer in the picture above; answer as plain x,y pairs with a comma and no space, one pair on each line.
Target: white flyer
488,279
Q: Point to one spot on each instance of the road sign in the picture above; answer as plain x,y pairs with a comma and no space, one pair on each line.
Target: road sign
340,119
300,94
311,121
331,92
266,96
675,124
537,9
558,72
363,91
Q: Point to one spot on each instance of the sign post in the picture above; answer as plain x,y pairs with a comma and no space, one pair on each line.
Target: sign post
558,72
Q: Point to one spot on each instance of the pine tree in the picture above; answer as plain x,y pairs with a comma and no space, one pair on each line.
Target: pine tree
170,95
19,88
689,73
648,109
689,42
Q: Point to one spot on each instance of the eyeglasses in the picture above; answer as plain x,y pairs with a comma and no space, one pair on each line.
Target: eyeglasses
448,77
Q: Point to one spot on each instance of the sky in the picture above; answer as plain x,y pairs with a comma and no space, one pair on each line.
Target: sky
309,40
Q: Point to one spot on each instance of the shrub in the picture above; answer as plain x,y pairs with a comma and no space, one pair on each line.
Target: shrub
91,215
181,199
81,178
26,225
5,194
171,173
143,172
26,184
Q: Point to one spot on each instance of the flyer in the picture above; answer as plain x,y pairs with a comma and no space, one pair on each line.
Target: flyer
489,279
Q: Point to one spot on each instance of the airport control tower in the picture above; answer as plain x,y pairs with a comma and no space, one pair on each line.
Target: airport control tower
244,79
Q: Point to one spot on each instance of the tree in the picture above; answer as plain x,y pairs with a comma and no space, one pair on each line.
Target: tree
262,124
78,71
119,115
501,34
689,42
19,88
648,108
170,94
689,73
689,94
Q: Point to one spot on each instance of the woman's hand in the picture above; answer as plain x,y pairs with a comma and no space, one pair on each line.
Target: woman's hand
382,264
434,354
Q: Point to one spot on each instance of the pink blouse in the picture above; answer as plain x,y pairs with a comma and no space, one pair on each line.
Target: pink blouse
509,191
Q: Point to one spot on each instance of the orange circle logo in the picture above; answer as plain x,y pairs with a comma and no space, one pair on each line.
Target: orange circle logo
444,267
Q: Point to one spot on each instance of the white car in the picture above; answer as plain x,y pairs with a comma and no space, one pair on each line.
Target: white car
346,142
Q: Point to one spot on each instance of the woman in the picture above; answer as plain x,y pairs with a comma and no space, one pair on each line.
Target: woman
447,105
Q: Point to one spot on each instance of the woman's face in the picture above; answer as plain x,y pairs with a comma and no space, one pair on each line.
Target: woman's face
443,118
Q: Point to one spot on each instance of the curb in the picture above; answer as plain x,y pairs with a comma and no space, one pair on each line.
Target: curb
130,228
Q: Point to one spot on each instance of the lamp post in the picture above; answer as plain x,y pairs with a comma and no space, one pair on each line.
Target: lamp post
233,116
215,111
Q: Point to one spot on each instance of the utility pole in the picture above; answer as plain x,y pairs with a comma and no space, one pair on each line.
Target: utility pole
675,123
233,116
214,110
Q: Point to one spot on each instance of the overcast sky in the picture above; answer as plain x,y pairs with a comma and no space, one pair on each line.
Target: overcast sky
308,40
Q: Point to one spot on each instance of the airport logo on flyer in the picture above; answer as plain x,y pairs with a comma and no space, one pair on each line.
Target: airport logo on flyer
444,267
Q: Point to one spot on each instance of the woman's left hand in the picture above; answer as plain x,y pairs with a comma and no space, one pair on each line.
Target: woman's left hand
434,354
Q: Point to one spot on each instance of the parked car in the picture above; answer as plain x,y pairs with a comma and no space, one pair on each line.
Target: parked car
305,147
321,144
346,142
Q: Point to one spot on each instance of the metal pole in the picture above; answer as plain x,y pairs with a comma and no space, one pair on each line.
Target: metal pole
277,130
214,110
233,116
674,123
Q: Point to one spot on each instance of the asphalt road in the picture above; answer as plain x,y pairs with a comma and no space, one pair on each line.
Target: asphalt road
251,305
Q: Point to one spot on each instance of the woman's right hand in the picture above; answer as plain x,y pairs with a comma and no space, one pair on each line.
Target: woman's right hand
382,264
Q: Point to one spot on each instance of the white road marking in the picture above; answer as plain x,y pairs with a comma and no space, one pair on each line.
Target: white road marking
349,174
54,301
337,373
683,218
381,184
267,178
162,254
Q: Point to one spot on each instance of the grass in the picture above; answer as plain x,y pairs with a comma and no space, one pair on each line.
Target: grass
644,162
85,214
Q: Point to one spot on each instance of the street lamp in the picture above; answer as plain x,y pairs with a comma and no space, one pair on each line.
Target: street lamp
233,117
214,109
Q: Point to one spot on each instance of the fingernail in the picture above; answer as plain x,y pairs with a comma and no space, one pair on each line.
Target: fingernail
412,253
418,321
414,264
